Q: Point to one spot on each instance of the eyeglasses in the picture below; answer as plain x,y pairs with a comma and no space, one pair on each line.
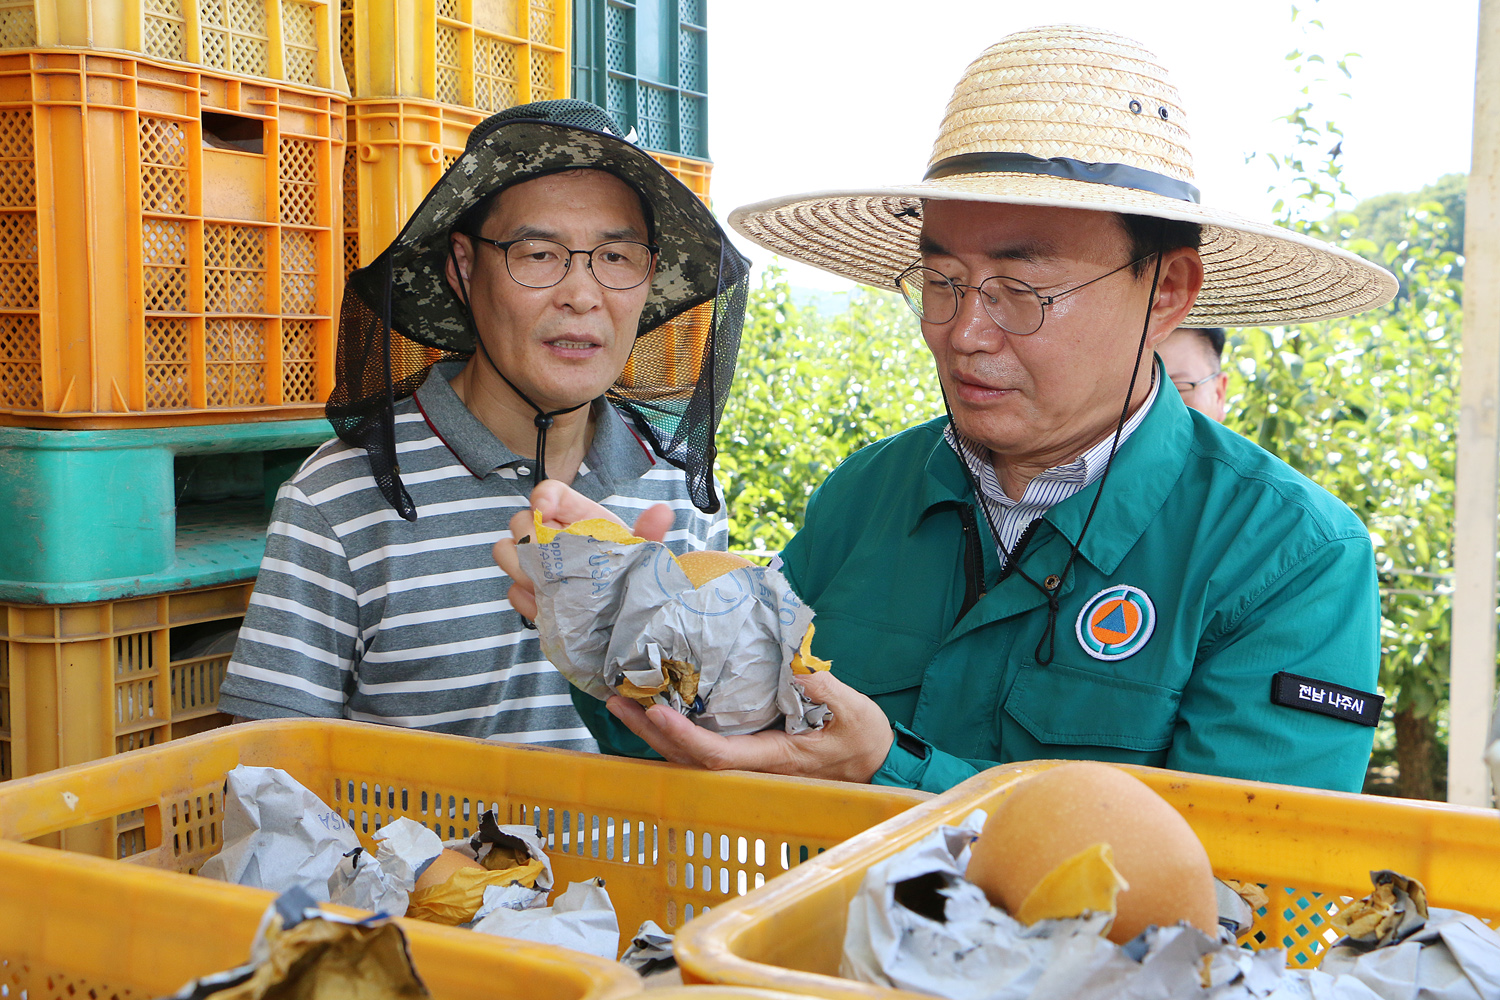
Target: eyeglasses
618,264
1184,386
1016,307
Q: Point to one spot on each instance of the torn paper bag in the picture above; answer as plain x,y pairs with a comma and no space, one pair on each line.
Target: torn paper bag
650,951
515,866
300,951
617,615
916,923
1400,948
278,835
581,918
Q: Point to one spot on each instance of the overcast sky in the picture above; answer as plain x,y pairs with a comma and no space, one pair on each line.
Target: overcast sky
808,95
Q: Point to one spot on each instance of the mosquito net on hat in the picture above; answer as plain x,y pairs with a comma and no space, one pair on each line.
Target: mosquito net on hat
399,317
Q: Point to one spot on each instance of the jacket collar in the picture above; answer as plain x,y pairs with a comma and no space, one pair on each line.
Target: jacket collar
1144,471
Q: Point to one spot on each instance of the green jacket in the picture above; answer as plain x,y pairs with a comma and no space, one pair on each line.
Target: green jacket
1247,569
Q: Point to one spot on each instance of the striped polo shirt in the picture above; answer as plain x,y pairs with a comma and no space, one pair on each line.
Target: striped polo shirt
1010,518
361,614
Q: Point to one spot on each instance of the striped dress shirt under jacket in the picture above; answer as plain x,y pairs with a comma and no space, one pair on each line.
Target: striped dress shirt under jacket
1010,518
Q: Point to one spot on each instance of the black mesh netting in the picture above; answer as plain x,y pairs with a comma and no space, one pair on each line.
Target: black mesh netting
676,381
678,377
375,367
679,372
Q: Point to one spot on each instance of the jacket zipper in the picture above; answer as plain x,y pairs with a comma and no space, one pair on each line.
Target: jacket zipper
973,561
1020,549
974,558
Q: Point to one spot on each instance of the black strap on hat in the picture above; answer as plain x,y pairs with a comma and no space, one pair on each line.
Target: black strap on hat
1115,174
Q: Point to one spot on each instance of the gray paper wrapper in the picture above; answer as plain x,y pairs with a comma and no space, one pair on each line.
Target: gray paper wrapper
581,918
280,836
607,612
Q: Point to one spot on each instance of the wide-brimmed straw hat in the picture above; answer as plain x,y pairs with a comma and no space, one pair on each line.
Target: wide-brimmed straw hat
1073,117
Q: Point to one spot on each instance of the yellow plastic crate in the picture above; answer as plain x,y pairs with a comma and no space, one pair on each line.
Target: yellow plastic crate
292,41
483,54
168,244
670,842
84,681
397,151
694,173
712,993
74,927
1312,850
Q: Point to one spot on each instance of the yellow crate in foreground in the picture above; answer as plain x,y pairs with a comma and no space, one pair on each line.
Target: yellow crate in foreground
73,927
670,842
1312,850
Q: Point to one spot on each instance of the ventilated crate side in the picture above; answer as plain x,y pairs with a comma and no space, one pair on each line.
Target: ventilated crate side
694,173
289,41
670,843
469,53
397,151
83,681
144,214
647,63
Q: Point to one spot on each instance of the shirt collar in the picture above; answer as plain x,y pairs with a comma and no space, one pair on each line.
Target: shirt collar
1144,473
1145,470
1082,471
616,454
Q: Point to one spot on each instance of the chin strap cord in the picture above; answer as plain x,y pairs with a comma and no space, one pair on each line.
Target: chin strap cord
1051,588
543,419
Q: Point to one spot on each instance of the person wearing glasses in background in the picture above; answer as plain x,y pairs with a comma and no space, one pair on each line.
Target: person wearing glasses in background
486,350
1193,358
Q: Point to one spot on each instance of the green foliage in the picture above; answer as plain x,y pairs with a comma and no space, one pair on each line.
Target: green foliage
1367,406
810,390
1383,220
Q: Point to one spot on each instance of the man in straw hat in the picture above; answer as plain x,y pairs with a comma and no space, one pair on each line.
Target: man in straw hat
1070,564
530,321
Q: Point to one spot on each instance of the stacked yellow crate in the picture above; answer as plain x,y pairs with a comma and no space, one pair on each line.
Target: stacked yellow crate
221,124
422,75
170,272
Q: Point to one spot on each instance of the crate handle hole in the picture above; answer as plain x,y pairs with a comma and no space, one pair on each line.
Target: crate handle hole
236,132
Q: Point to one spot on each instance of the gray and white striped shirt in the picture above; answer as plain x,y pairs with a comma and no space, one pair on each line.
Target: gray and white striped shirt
1011,518
360,614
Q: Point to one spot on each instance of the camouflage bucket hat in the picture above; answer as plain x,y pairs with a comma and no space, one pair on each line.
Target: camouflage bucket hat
531,141
400,316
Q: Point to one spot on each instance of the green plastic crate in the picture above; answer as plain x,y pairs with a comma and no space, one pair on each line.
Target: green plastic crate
99,515
646,61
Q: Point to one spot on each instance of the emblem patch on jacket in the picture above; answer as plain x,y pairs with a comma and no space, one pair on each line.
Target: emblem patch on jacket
1116,622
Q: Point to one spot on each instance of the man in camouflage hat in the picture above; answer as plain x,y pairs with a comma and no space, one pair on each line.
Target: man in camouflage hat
529,322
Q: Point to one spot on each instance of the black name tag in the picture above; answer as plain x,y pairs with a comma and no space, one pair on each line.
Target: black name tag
1294,691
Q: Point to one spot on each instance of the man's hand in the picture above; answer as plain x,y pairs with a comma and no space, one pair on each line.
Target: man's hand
560,506
851,746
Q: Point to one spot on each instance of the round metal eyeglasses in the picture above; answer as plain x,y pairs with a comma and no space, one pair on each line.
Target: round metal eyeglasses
618,264
1186,386
1016,307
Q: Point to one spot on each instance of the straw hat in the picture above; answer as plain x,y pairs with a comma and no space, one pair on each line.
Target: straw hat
1073,117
